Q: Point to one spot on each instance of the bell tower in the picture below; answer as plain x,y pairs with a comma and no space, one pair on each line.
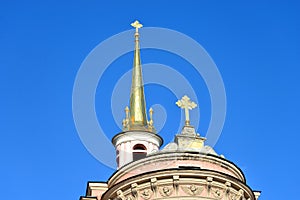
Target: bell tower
138,137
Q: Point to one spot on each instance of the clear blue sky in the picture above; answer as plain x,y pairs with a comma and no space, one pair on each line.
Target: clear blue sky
255,44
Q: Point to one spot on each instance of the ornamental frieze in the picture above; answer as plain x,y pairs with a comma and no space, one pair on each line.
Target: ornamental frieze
175,186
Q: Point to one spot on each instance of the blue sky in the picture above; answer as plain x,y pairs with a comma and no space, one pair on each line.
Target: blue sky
255,44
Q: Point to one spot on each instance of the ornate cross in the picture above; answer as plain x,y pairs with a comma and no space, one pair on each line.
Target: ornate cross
187,105
136,25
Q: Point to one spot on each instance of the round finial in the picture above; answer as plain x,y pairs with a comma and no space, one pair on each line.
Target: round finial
151,114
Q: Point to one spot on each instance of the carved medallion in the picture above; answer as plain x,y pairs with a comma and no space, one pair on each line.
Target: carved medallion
218,193
165,191
192,190
146,194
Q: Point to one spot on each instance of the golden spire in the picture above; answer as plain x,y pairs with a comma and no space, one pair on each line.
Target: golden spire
138,118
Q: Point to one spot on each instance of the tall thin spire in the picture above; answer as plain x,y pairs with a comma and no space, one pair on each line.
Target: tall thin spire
138,117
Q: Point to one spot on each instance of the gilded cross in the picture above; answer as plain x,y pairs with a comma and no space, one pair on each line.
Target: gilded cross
186,104
136,25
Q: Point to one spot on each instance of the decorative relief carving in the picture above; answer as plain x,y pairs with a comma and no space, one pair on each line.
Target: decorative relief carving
217,193
146,194
165,191
192,189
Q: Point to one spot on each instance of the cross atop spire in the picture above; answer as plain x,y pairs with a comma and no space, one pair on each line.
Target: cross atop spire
136,25
186,104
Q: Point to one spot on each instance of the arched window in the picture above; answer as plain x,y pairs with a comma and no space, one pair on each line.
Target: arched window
139,151
139,147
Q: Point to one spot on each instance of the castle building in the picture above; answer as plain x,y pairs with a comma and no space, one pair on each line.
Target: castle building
183,169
